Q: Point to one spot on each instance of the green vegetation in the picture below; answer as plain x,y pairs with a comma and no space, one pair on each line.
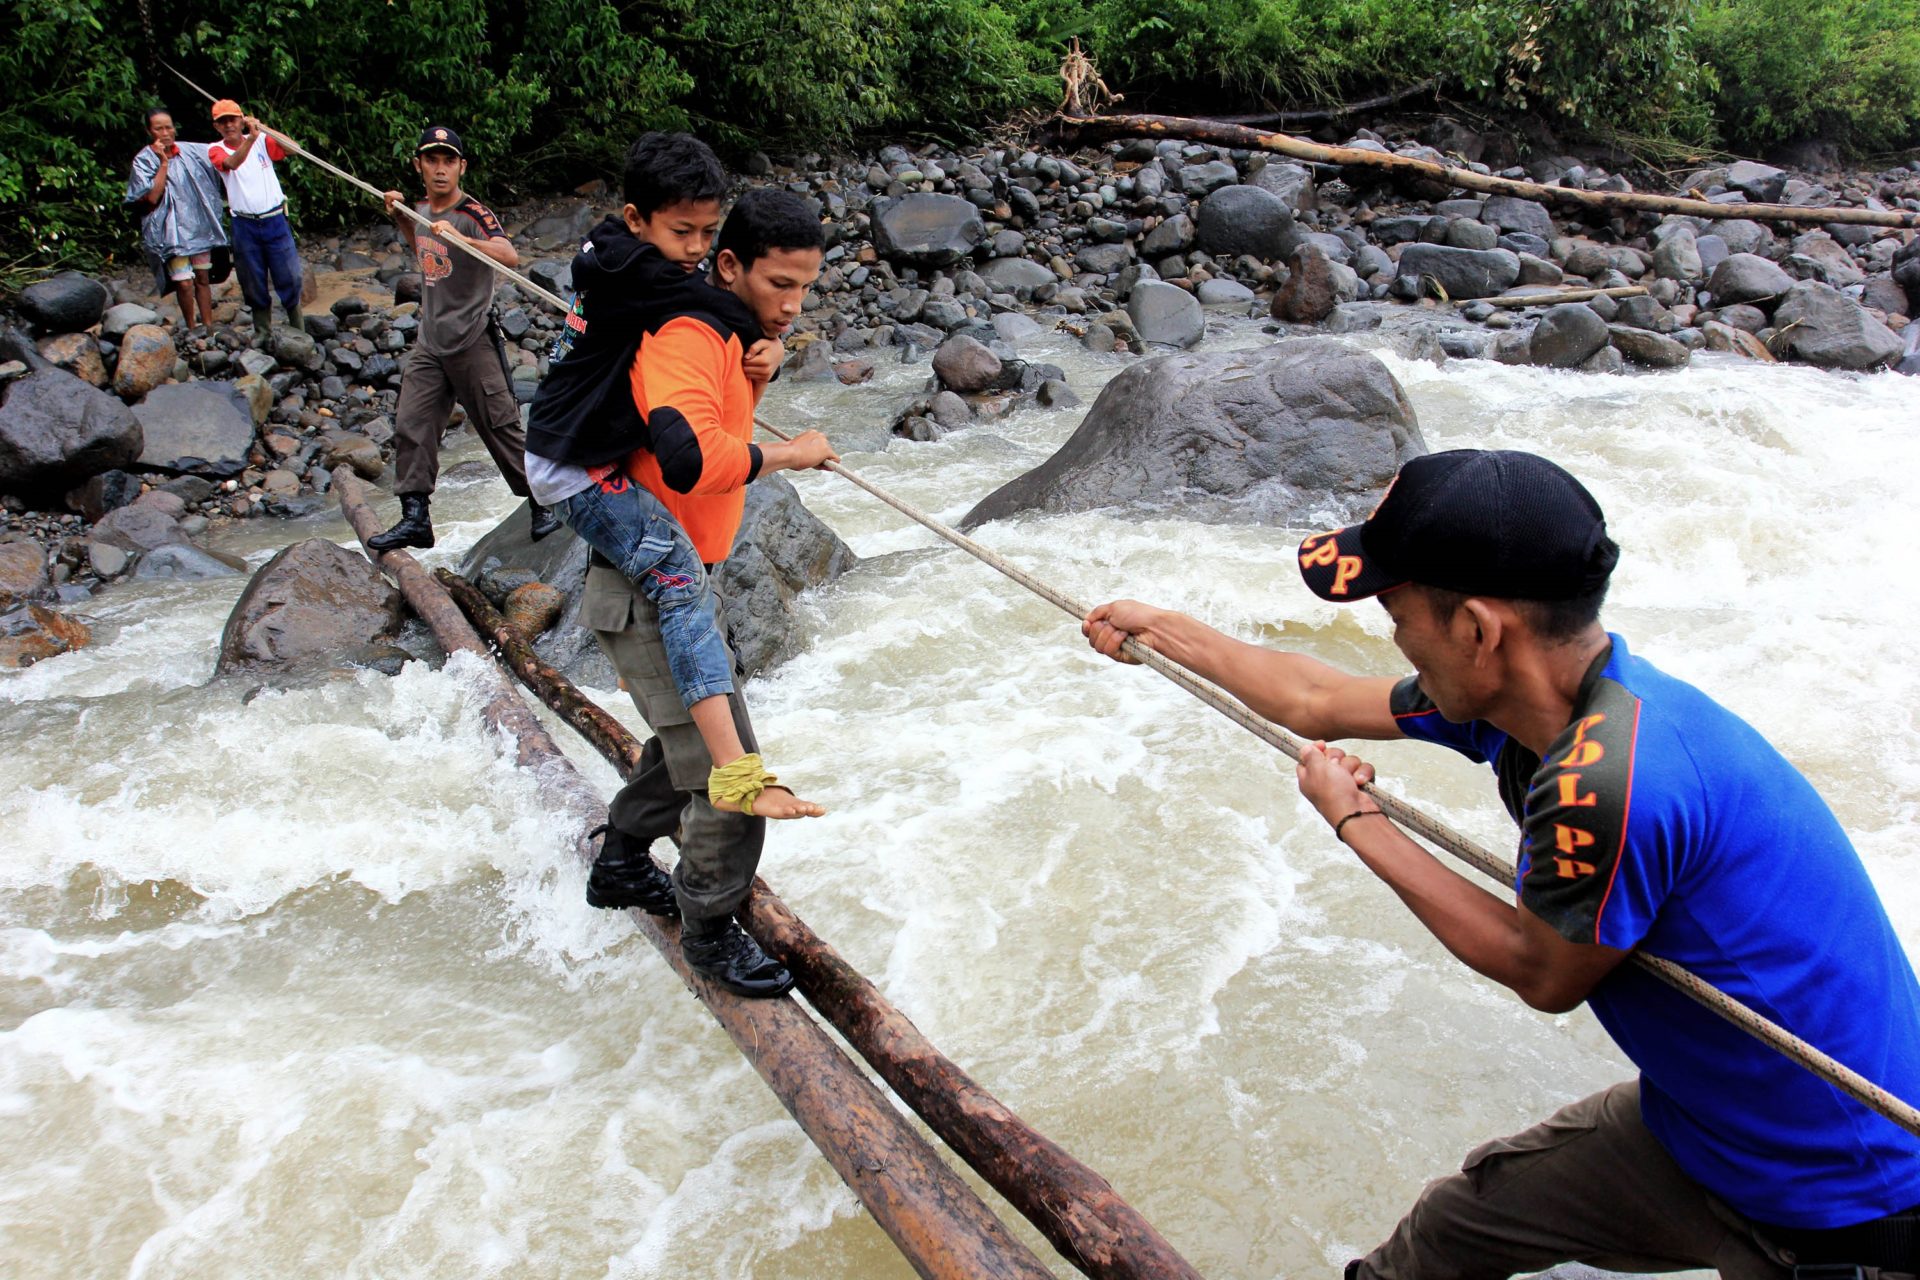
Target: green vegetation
549,93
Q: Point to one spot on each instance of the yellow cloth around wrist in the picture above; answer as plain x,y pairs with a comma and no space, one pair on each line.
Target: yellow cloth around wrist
740,782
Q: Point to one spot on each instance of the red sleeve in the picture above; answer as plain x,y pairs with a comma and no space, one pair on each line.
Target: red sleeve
679,384
218,153
275,151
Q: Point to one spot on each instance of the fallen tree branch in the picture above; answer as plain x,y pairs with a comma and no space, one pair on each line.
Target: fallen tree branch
939,1224
1565,295
1083,130
1072,1205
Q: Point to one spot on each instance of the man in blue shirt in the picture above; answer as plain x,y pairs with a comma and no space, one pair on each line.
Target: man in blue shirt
1650,818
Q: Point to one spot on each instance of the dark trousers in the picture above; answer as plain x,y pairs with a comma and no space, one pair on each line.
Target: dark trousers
265,257
719,851
429,385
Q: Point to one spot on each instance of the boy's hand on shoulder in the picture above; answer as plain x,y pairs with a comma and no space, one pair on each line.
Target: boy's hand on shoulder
762,360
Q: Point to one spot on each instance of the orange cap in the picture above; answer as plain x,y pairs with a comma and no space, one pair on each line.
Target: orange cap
227,107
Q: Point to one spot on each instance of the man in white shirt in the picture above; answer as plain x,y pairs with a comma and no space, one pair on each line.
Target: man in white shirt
263,250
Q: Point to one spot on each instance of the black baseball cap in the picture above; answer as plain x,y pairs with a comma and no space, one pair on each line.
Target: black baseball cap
437,137
1484,522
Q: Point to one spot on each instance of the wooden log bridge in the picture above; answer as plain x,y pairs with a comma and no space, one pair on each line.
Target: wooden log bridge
936,1220
1074,1207
1083,130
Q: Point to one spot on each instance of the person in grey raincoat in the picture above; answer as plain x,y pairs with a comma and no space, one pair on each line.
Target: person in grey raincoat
183,201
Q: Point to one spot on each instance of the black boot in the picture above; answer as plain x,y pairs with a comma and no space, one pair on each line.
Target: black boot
544,521
625,875
415,528
731,958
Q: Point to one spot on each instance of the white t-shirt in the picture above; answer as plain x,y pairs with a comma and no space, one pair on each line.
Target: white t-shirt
552,483
254,187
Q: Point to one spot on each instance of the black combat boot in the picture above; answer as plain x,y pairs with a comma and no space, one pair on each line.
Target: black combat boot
625,875
730,957
415,528
544,521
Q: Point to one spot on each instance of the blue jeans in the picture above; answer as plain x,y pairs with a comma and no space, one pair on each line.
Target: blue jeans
629,526
263,254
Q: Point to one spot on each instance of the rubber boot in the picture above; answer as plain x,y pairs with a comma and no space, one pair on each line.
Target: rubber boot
415,528
296,319
263,326
544,521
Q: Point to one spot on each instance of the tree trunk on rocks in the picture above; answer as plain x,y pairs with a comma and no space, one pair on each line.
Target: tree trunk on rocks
1083,130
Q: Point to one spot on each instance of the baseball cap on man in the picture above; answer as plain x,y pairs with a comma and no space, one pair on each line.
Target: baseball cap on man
1484,522
226,107
437,137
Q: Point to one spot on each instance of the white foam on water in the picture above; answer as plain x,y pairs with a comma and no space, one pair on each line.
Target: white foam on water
305,985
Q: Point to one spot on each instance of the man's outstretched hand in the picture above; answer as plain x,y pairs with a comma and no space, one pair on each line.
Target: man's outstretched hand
1331,779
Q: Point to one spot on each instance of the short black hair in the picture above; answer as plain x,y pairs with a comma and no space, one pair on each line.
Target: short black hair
765,219
1554,621
671,168
156,111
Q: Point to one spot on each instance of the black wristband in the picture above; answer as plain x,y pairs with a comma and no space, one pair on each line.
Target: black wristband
1357,813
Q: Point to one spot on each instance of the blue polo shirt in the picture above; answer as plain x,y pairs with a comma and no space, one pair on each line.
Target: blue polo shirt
1662,821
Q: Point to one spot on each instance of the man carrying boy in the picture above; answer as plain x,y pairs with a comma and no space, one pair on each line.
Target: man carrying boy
689,384
264,254
454,357
636,273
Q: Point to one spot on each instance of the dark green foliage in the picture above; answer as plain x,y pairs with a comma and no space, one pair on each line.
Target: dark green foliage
1847,69
548,92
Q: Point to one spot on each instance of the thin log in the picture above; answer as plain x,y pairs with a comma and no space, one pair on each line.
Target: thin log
1082,130
1565,295
939,1224
1072,1205
1338,112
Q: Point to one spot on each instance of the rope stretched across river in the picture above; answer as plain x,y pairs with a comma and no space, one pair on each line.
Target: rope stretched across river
1835,1073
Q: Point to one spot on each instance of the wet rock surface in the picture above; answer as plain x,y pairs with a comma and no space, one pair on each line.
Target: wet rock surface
1310,426
310,607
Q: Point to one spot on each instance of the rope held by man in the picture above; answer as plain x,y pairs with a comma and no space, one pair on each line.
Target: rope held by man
1689,984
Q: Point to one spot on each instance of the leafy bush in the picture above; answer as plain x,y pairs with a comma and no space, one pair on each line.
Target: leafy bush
1847,69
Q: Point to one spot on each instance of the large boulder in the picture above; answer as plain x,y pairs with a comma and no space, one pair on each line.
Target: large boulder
1906,273
1644,347
1747,277
1510,213
1462,273
56,430
1819,324
147,356
782,550
138,526
1293,183
779,540
1301,432
1242,219
927,230
1567,336
198,428
312,606
67,303
968,365
1166,314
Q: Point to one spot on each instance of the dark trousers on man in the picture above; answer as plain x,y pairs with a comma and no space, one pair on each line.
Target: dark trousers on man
429,386
1588,1184
719,851
267,261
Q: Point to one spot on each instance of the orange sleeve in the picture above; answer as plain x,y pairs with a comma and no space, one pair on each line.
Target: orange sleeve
679,385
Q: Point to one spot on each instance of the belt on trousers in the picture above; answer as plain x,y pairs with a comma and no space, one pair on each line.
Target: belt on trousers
1891,1243
274,212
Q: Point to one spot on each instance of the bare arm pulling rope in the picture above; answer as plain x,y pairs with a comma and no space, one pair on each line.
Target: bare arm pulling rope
1767,1032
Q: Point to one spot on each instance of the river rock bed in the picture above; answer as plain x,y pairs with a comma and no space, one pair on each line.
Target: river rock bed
141,436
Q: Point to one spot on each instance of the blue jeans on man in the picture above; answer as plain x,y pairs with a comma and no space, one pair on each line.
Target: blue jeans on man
265,257
632,529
